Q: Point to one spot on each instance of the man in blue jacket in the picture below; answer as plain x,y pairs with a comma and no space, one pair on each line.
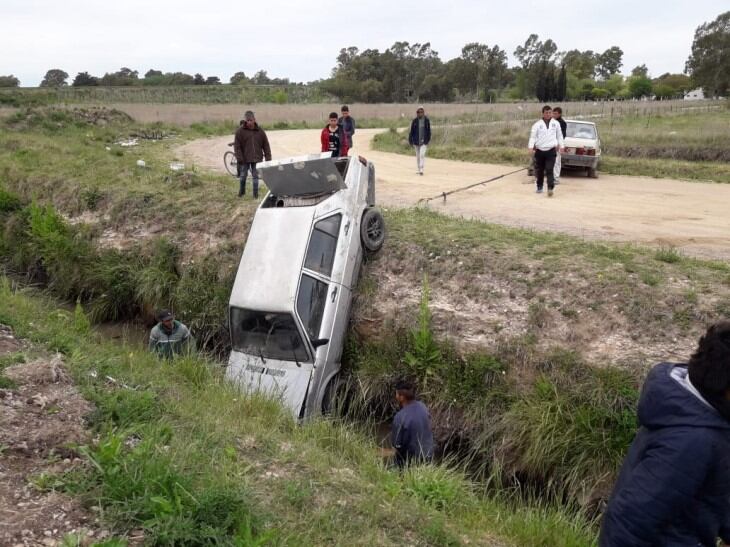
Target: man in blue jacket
419,137
411,431
674,486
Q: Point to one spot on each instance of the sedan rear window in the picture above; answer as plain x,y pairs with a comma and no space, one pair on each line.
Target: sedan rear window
310,304
322,245
266,334
580,130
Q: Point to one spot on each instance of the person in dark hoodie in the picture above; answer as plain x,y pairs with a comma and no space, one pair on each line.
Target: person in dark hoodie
251,145
411,433
674,486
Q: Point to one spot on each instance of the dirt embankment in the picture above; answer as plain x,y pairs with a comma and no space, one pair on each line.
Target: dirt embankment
41,421
690,216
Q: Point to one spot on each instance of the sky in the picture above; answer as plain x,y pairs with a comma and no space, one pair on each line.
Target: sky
301,40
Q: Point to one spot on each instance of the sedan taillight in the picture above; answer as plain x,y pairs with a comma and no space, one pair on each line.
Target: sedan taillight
591,152
580,151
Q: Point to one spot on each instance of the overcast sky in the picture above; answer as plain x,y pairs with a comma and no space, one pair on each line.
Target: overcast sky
300,40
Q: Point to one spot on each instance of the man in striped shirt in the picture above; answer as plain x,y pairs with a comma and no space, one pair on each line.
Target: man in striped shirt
546,142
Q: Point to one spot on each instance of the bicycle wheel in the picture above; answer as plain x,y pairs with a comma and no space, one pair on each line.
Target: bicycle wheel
229,160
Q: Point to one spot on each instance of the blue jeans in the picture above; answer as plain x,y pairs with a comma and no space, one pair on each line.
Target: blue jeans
243,169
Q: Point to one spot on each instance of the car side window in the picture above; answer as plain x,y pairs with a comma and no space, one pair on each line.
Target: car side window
310,303
322,245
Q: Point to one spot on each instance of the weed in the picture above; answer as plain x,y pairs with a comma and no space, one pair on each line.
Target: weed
425,356
668,255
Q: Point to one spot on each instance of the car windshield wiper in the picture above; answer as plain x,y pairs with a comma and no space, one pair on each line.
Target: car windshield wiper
261,354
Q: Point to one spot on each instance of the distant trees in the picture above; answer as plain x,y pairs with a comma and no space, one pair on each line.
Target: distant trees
9,81
55,77
83,79
609,62
709,61
640,86
238,78
123,77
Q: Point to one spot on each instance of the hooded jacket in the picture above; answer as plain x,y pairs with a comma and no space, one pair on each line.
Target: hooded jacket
325,141
251,145
413,133
674,486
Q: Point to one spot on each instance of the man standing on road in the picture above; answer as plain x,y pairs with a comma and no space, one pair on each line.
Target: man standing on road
546,140
411,432
674,485
333,139
419,137
348,125
558,116
250,146
169,337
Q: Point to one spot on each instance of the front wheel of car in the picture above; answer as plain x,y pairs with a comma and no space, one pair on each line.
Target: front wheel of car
372,229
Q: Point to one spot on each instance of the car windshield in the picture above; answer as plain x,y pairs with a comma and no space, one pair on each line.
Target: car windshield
580,130
266,334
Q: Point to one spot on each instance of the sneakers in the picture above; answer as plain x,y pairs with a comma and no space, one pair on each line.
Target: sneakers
420,173
550,192
538,191
557,181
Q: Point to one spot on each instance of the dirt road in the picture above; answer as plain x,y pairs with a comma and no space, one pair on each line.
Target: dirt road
693,217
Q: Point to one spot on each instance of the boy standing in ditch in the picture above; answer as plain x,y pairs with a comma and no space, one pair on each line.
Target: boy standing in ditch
546,141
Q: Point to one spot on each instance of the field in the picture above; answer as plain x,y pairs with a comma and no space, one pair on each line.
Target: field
670,143
530,348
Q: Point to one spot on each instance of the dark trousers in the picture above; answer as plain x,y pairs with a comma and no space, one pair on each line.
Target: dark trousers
544,165
243,169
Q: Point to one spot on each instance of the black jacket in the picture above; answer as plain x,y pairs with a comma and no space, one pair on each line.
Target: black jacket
674,485
413,135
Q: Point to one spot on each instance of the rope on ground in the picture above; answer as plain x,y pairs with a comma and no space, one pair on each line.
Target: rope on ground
444,194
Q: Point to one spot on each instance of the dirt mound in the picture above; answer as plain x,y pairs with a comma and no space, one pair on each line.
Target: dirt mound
41,420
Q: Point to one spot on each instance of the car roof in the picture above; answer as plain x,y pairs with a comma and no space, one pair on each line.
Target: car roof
580,121
268,274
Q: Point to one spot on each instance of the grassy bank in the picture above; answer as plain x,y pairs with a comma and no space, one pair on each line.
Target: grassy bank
684,146
529,347
186,459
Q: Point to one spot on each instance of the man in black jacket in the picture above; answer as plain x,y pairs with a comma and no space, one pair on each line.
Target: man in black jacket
558,117
674,485
419,137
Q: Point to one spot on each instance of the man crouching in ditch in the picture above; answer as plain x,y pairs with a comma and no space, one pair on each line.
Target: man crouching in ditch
170,337
411,433
674,486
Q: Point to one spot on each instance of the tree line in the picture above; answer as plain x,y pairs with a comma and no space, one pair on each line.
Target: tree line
414,72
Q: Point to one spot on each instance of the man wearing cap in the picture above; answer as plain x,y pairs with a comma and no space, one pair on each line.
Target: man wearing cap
348,125
169,337
250,146
419,137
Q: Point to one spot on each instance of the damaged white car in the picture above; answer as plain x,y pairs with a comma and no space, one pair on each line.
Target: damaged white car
290,305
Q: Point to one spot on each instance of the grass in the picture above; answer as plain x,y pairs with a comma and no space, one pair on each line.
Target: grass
196,462
684,146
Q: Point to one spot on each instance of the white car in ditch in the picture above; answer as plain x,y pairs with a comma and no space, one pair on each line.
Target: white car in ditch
290,305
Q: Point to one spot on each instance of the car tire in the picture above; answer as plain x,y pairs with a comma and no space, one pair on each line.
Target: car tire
372,229
593,172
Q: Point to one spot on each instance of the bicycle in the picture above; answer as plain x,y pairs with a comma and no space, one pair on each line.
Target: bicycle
230,161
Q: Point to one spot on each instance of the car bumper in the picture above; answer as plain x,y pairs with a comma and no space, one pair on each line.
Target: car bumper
575,160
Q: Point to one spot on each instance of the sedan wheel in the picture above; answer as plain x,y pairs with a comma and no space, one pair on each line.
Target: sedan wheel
372,229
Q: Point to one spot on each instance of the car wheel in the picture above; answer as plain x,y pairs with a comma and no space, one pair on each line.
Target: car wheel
593,172
372,229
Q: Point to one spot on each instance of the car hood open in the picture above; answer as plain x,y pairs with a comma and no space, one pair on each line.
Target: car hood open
302,175
282,380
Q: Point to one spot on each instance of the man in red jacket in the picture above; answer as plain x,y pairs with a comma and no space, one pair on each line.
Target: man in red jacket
333,138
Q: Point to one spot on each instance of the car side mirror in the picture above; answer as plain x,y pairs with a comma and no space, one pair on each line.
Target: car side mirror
320,342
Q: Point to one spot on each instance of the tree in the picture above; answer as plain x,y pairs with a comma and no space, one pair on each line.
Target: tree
534,51
9,81
260,78
680,83
561,89
639,86
55,77
123,77
663,91
239,78
581,64
212,80
609,62
84,79
151,73
640,70
198,79
709,62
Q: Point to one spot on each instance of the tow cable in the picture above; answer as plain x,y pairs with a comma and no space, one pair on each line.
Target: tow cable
444,194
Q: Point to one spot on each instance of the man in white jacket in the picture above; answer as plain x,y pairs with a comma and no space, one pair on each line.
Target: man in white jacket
546,142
